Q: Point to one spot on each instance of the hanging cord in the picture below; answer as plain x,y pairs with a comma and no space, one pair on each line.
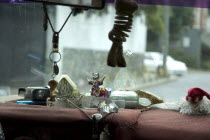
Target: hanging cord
45,20
128,125
95,126
123,126
111,119
47,16
110,122
55,40
74,11
90,118
84,111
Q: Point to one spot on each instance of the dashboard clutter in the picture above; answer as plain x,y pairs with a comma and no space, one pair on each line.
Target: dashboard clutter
66,87
107,106
95,82
130,98
34,93
67,93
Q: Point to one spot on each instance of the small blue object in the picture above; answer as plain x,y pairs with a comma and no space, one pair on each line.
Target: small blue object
31,102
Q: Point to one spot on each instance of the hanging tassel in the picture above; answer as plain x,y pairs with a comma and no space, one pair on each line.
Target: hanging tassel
123,23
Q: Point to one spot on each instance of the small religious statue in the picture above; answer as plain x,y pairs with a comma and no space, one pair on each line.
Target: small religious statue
95,82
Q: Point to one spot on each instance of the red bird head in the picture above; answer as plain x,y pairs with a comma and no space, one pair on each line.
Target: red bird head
196,94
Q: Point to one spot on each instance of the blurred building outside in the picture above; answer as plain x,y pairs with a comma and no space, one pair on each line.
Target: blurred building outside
190,45
84,45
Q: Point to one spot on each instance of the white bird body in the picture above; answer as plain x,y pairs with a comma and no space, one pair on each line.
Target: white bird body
186,107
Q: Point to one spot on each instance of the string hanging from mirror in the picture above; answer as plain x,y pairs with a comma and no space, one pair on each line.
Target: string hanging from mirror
55,40
123,24
53,83
55,33
55,50
45,21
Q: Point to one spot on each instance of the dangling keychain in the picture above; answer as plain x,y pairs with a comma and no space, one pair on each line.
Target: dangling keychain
55,41
55,50
53,83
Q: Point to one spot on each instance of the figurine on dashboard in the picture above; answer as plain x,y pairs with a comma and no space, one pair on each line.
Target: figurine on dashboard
193,104
95,82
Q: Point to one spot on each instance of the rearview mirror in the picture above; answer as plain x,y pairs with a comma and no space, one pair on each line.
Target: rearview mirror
90,4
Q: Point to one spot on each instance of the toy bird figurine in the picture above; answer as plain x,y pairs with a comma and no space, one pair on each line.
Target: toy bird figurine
193,104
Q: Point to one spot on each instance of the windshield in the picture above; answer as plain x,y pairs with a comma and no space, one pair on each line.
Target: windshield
180,34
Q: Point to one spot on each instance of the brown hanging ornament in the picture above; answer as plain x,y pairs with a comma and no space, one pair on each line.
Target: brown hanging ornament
123,23
53,84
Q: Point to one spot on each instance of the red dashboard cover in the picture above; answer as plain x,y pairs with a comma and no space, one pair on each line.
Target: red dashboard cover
51,123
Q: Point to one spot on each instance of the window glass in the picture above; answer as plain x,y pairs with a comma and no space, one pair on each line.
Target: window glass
149,57
180,34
